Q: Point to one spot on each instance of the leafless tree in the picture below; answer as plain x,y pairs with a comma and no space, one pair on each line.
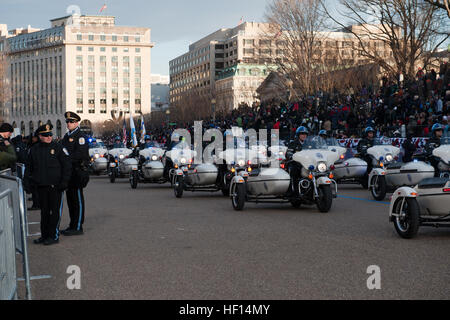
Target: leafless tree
298,28
398,35
443,4
4,83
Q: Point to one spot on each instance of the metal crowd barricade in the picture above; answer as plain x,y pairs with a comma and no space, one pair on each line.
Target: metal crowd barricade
19,215
8,279
12,185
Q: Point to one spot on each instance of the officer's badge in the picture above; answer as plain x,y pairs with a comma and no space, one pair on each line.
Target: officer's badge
71,140
47,127
82,141
65,151
52,151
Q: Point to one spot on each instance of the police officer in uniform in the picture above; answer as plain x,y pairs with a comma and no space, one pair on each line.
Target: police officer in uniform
48,168
434,142
77,145
294,167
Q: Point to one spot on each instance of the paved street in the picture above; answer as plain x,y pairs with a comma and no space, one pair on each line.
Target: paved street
146,244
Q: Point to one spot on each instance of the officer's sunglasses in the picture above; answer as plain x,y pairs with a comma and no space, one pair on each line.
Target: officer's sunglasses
70,121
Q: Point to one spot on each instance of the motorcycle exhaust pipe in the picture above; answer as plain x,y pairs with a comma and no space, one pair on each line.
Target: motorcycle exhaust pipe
305,184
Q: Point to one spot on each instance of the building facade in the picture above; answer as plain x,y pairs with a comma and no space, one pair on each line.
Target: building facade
207,60
85,64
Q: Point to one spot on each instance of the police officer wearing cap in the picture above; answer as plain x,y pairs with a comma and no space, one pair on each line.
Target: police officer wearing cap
77,145
364,144
48,168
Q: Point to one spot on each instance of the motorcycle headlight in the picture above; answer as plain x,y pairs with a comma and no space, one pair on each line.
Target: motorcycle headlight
183,161
154,158
389,158
281,153
322,167
121,157
241,163
96,156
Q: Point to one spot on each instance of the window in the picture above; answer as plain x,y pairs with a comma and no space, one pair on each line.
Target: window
114,38
91,37
91,49
138,39
79,37
103,38
126,49
79,49
102,49
125,38
114,49
138,50
249,42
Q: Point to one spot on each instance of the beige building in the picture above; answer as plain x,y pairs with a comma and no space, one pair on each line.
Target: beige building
85,64
209,59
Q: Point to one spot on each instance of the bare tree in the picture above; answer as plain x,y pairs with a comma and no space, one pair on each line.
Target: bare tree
443,4
4,83
398,35
298,26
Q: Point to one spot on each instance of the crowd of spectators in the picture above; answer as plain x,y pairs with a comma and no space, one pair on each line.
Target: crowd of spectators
401,110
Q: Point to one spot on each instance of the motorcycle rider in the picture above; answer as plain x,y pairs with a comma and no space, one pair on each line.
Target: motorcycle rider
434,142
323,134
363,145
118,143
295,168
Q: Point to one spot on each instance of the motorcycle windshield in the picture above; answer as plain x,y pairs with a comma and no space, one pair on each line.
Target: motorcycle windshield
182,146
445,141
332,142
315,143
382,142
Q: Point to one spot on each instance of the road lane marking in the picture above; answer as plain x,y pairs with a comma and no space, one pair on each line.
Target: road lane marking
361,199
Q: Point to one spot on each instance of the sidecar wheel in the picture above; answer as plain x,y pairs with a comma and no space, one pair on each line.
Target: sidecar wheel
238,197
178,186
325,199
407,225
378,188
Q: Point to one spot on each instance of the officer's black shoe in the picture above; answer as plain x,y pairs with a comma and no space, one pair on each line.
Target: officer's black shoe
39,241
49,242
71,232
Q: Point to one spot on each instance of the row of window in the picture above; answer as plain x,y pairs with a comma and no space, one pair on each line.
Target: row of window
104,49
113,38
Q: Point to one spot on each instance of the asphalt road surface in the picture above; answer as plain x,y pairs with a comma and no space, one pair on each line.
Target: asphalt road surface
146,244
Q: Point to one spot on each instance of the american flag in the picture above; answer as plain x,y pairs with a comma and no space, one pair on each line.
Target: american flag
241,21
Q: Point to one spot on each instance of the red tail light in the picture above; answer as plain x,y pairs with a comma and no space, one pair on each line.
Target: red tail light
332,167
447,190
282,166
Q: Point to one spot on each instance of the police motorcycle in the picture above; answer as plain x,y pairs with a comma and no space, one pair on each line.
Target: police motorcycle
347,170
388,174
272,184
121,163
425,205
150,167
99,156
442,154
179,157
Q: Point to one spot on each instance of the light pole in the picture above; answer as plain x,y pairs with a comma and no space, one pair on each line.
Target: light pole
213,109
168,117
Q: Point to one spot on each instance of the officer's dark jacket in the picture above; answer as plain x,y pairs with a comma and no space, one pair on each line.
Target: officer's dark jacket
47,165
410,148
365,144
78,148
7,155
432,144
295,146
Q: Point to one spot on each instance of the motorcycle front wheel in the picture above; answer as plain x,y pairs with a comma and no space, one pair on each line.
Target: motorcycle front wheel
325,199
134,179
112,175
379,188
238,197
178,186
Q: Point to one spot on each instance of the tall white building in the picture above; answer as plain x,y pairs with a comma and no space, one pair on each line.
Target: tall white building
85,64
